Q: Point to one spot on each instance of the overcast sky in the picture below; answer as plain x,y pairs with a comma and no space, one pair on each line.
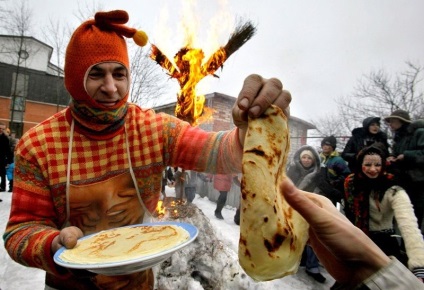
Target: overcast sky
319,49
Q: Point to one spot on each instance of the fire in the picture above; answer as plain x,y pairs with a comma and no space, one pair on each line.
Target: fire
160,209
189,67
173,208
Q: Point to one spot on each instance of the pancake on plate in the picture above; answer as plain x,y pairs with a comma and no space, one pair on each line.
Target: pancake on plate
125,243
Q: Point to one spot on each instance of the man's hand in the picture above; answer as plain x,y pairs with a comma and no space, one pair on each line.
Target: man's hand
256,95
67,238
346,252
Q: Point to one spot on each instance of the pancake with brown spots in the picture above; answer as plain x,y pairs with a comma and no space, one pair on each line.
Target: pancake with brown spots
272,234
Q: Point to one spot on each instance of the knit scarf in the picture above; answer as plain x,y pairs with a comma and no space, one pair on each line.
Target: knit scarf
96,123
358,188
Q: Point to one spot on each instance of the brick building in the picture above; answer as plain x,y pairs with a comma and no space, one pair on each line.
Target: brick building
31,87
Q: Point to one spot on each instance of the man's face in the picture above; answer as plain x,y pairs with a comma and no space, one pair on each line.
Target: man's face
327,149
2,129
394,124
107,83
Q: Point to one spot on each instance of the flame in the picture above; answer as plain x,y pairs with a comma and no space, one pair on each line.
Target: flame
160,209
189,65
189,71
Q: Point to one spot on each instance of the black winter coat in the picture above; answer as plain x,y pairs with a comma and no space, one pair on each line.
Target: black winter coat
409,141
6,156
359,140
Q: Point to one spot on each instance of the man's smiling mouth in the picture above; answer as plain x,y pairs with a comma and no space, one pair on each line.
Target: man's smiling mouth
108,103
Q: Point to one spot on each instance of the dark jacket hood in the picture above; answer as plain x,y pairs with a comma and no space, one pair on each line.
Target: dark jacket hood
368,121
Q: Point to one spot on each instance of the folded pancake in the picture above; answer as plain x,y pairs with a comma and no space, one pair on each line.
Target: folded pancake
125,243
272,234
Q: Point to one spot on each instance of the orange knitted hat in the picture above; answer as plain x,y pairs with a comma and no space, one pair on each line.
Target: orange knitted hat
95,41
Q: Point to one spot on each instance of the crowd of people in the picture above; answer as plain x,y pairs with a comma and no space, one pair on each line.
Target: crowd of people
102,163
375,185
378,186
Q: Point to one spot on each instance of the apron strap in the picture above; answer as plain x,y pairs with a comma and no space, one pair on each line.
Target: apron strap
148,217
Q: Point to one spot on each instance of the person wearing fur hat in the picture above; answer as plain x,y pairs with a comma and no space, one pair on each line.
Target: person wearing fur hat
98,164
333,171
373,200
362,137
303,170
407,157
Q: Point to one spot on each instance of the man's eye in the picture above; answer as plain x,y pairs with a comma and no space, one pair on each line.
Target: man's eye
95,75
119,75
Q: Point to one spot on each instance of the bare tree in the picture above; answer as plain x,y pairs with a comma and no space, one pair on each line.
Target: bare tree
3,15
86,10
376,94
18,25
57,34
331,124
19,18
148,81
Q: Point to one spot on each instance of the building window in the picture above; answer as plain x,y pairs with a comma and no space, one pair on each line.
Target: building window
20,88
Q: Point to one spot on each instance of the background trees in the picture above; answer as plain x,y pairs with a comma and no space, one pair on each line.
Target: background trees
376,94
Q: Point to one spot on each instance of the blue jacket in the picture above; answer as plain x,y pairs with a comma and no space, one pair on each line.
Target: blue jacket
9,171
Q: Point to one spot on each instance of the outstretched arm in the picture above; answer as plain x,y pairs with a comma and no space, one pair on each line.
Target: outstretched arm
345,251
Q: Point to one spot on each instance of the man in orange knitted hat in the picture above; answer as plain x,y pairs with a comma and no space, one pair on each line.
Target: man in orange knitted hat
98,164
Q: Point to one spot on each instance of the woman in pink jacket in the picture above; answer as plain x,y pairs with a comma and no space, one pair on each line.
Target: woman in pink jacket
222,183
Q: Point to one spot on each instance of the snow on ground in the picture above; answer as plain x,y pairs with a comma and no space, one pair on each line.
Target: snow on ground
229,233
15,276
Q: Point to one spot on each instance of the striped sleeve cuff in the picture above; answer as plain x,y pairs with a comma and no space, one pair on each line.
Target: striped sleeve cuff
418,272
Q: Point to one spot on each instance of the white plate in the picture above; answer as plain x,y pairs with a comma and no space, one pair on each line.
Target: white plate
131,265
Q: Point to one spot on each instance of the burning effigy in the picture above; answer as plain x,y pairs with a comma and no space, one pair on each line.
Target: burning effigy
189,67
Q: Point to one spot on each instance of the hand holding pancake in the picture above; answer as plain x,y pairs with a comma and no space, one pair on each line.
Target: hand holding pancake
257,95
345,251
67,238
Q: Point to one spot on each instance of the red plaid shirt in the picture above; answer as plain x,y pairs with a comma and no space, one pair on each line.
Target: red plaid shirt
155,141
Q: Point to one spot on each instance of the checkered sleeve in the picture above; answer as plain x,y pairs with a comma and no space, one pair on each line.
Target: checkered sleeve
194,149
33,219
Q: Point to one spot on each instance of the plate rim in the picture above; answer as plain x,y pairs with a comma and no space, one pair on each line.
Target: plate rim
193,233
